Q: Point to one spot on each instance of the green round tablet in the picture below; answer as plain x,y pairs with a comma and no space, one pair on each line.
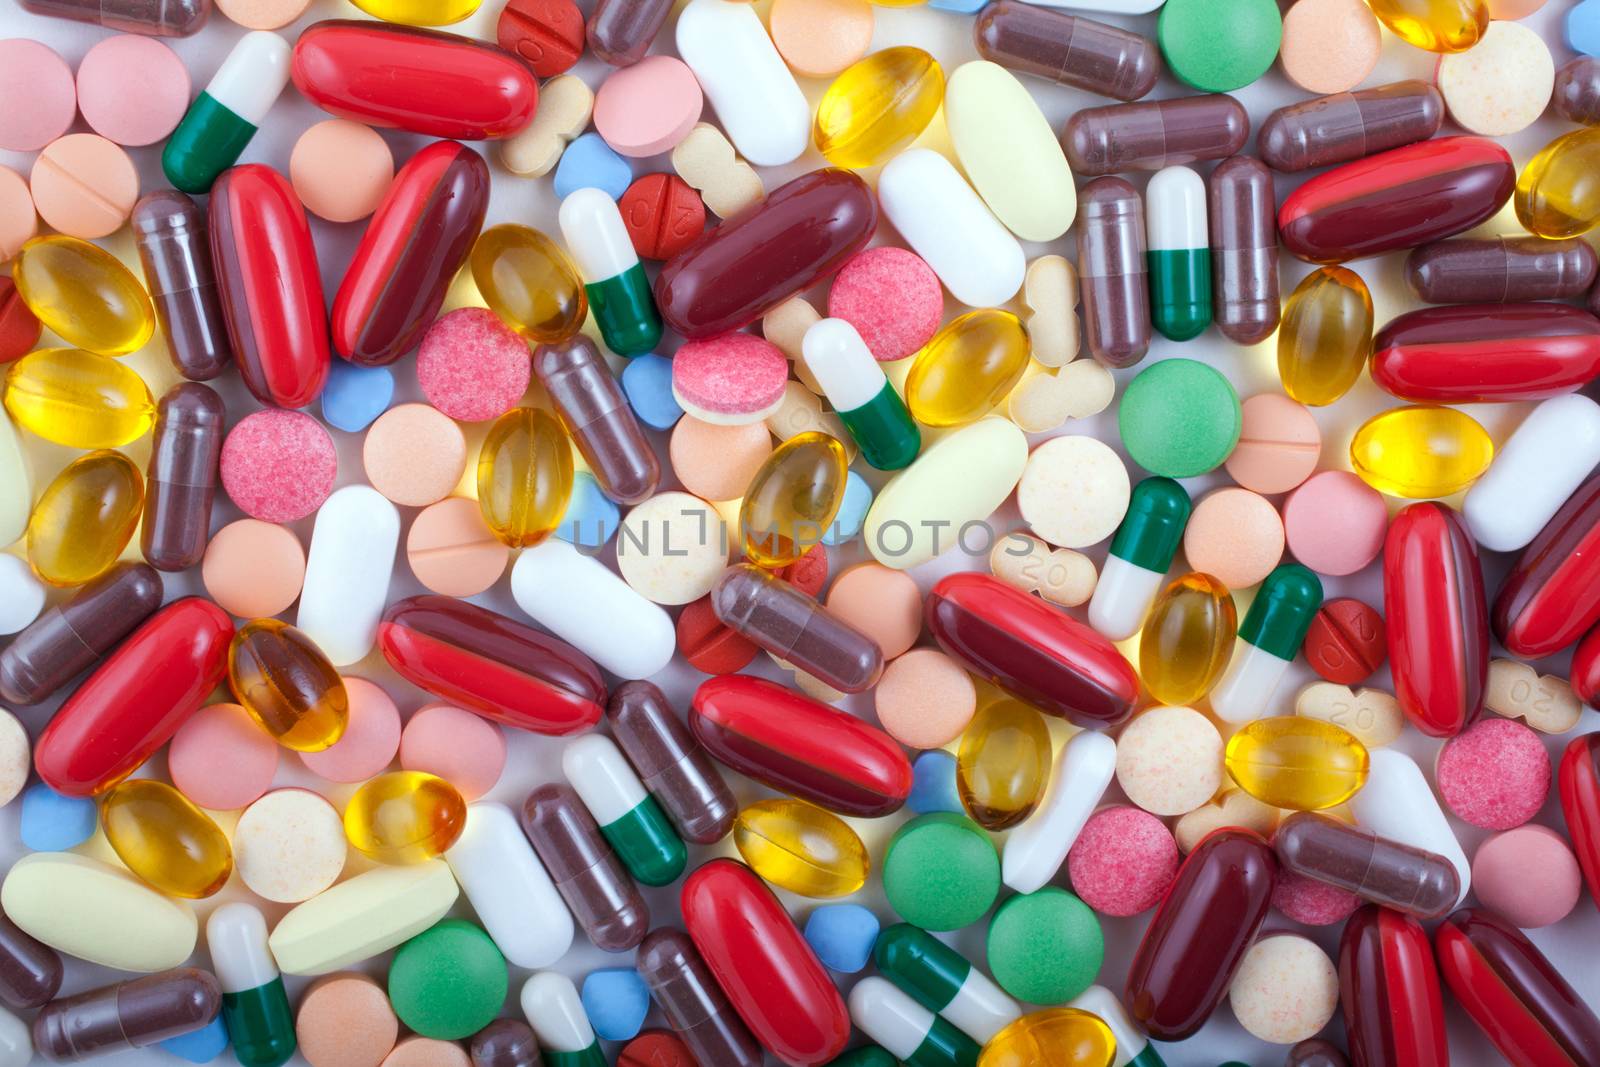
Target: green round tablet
1219,45
1179,418
941,871
1045,947
449,981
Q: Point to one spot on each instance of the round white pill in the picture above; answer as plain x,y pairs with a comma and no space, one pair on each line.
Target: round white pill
289,845
672,548
1286,989
1169,760
1501,84
15,757
1073,492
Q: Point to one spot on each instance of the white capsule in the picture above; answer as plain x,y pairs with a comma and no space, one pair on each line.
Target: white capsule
1034,851
252,78
1534,473
842,364
1100,1002
888,1016
1247,685
236,934
757,100
1175,211
21,594
585,603
509,888
602,778
1122,598
550,1001
980,1009
1398,803
347,573
592,226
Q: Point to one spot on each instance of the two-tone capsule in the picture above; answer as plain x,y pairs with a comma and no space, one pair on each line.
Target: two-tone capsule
1111,272
223,119
1269,639
1133,1048
629,817
550,1001
255,1006
1141,551
861,394
942,980
1243,214
1179,253
910,1032
619,292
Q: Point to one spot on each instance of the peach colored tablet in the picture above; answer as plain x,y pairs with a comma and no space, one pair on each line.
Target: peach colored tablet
370,740
1513,9
1335,523
464,749
84,185
884,604
1329,46
414,455
289,846
819,38
925,699
717,462
1235,536
33,72
221,758
452,551
647,108
344,1020
341,169
419,1051
18,220
1279,444
263,14
254,569
132,90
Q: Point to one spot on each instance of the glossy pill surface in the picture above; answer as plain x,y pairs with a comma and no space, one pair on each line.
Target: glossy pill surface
1469,353
1296,762
967,368
1067,49
878,106
1435,25
85,518
1467,270
84,294
801,848
1003,764
183,474
405,817
671,763
1421,451
1345,126
591,405
1389,989
1326,336
1061,1037
1386,872
420,12
78,399
1242,211
288,686
782,619
529,282
591,879
136,1013
1155,134
1555,197
1187,639
1112,272
166,840
524,476
1551,597
793,499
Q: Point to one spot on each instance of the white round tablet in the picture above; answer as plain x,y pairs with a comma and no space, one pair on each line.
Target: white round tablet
21,594
1074,491
1286,989
15,757
289,845
1501,84
1169,760
672,548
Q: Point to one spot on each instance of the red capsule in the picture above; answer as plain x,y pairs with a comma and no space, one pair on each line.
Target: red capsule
1486,353
1579,782
136,699
416,242
1512,992
1552,595
406,78
770,974
800,746
1389,988
1032,650
1585,671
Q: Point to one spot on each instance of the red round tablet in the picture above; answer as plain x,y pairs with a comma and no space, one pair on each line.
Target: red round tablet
656,1048
663,215
19,329
1345,642
708,645
545,34
809,573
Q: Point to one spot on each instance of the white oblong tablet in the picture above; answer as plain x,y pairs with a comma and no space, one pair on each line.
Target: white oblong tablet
359,918
1534,473
509,888
347,572
1035,850
1398,803
93,911
946,223
757,100
581,601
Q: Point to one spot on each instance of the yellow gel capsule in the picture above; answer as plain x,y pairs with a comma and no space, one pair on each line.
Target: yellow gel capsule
1557,195
524,476
287,685
1003,763
419,12
1187,640
801,848
1421,452
967,368
164,839
405,817
528,281
1434,25
1326,335
1060,1037
84,294
85,518
78,399
878,106
793,499
1295,762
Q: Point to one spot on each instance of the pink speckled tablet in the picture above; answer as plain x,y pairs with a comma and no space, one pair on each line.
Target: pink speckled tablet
925,699
717,462
253,569
344,1020
370,740
278,466
891,297
221,758
419,1051
1494,774
472,367
1527,875
452,551
1278,444
1235,536
84,185
1123,861
1335,523
18,220
1314,903
341,169
465,750
1329,46
731,380
33,72
646,109
414,455
884,604
132,90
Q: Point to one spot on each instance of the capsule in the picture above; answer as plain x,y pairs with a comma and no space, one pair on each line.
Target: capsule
288,686
967,368
509,889
1399,876
1435,25
1399,803
1326,336
1551,596
165,840
1003,764
793,499
85,518
255,1007
72,636
629,818
597,888
1297,763
942,980
1187,639
1500,270
1483,353
420,12
1553,198
1585,670
1179,255
1067,49
30,970
78,399
133,1014
405,817
1327,130
1111,272
1035,849
792,626
878,106
671,763
861,394
620,32
1420,451
1577,91
1155,134
529,282
172,18
1141,552
1316,1053
181,480
524,476
614,279
599,419
169,230
222,120
909,1031
802,848
692,1001
1389,989
505,1043
1242,210
1068,1037
1133,1048
84,294
1579,785
1269,639
550,1001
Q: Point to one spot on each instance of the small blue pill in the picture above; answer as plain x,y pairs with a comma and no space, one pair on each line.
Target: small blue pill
616,1001
933,783
589,161
647,383
355,396
54,823
202,1045
842,936
591,517
852,511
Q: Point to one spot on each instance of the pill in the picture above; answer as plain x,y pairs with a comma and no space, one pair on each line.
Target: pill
1313,903
18,219
736,63
967,368
1255,29
170,232
565,106
708,164
1329,46
164,839
546,34
949,226
21,594
616,1000
1074,491
672,548
97,912
731,380
647,383
1169,760
33,71
414,455
341,170
1067,50
602,895
362,917
1179,418
1398,803
253,569
1235,809
464,749
1516,690
288,846
1234,535
452,552
717,462
663,215
419,1051
1154,134
1435,25
1541,465
1050,290
941,872
344,1020
820,38
224,118
263,14
658,1048
447,982
1501,84
649,107
1334,523
370,739
892,298
1286,989
1576,90
221,758
1372,715
84,518
51,822
278,466
1279,444
1059,575
1045,947
287,685
1345,643
1528,876
131,90
1495,774
1123,861
84,294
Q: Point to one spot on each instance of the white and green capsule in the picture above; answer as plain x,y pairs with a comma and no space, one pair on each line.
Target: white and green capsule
1133,1048
1141,553
223,118
909,1032
255,1007
551,1003
1179,253
861,394
619,292
942,980
630,819
1269,639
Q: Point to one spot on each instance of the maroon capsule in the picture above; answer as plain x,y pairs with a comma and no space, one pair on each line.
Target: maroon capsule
1500,270
673,766
182,477
1407,879
1345,126
1155,134
166,18
505,1043
1389,989
132,1014
599,418
1111,272
695,1006
1316,1053
1487,353
796,629
30,970
169,230
620,32
1067,49
1243,213
1577,91
601,894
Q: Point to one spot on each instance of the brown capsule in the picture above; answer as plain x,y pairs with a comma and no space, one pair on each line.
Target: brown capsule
181,481
796,629
73,636
170,231
1112,272
1244,250
505,1043
673,766
1500,270
1316,1053
599,418
620,32
1411,880
695,1006
1346,126
1577,91
1155,134
1067,49
132,1014
30,970
602,895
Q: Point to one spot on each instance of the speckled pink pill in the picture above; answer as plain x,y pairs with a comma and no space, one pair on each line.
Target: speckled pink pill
472,367
1335,523
731,380
1494,774
33,72
1123,861
278,466
646,109
465,750
370,740
132,90
1314,903
891,297
222,759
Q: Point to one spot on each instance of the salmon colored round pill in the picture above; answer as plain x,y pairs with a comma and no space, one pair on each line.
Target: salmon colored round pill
884,604
132,90
33,72
655,1048
663,215
1235,536
1329,46
464,749
545,34
709,645
925,699
419,1051
221,759
371,737
254,569
262,14
19,327
289,845
1279,444
647,108
18,220
820,38
345,1020
84,186
1335,523
1345,642
341,170
414,455
717,462
452,551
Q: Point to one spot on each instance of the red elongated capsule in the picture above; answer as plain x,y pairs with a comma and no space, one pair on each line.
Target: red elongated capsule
1389,990
1552,595
1579,785
1485,353
1438,620
1585,670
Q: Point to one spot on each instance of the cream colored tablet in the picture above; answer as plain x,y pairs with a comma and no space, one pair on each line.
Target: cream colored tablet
1074,491
1044,400
15,759
1169,760
672,548
1050,291
93,911
359,918
289,845
565,105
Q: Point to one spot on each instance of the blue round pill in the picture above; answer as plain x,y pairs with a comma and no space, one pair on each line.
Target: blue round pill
355,396
589,161
54,823
933,783
647,383
842,936
591,517
616,1001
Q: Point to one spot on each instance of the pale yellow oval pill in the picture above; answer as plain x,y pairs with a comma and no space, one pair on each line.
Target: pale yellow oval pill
363,916
93,911
15,760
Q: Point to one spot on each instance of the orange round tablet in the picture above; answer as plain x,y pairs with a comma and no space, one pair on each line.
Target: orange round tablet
925,699
717,462
884,604
414,455
263,14
341,169
253,569
1329,46
345,1020
1235,536
419,1051
452,551
819,38
84,185
1279,444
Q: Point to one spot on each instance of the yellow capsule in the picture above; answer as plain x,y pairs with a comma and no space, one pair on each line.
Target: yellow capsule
405,817
85,518
78,399
524,476
1557,195
793,499
163,838
1059,1037
1003,763
287,685
419,12
1295,762
528,281
878,106
84,294
1187,639
1421,452
801,848
1434,25
967,368
1326,335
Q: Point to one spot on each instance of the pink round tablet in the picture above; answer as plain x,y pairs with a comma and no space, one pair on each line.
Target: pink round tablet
891,297
1329,46
1123,861
731,380
1314,903
414,455
464,749
884,604
132,90
18,221
1528,875
341,169
1494,774
84,185
344,1020
451,549
278,466
370,740
31,71
419,1051
253,569
1335,523
646,109
1279,444
472,367
222,759
925,699
1235,536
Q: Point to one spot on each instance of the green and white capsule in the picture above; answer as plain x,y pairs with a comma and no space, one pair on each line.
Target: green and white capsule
551,1003
255,1007
942,980
1141,553
629,817
619,293
221,121
1132,1046
861,394
1179,253
1269,638
909,1032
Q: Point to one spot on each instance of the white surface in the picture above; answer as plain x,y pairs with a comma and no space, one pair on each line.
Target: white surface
535,760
